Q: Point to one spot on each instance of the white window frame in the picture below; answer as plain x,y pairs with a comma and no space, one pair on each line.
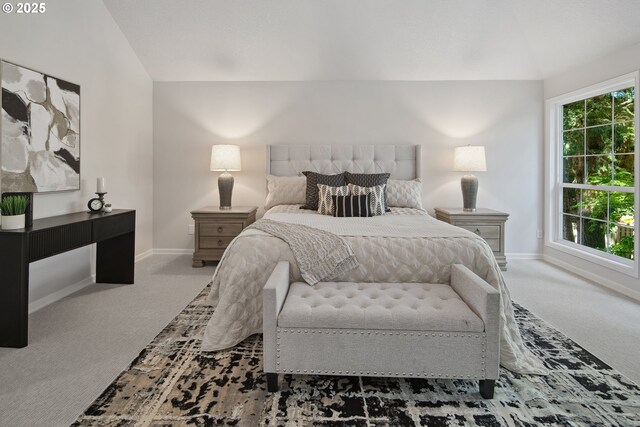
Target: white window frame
553,194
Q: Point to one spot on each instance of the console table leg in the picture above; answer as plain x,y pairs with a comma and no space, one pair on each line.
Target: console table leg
115,259
14,290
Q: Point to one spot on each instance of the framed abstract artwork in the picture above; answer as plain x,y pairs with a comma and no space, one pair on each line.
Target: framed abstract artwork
40,132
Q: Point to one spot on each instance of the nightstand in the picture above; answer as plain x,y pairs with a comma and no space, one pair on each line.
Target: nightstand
215,228
486,223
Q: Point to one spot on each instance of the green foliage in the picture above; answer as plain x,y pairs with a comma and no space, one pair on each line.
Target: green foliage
598,110
573,115
623,248
14,205
623,102
603,125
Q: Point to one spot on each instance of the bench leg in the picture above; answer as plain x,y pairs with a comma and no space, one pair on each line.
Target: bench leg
486,388
272,382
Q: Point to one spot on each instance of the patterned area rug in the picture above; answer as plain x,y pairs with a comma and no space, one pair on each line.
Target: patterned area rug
171,383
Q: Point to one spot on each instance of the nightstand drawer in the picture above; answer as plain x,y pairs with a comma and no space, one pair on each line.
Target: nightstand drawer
484,231
215,242
220,229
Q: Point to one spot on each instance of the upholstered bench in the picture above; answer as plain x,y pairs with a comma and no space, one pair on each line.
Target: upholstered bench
418,330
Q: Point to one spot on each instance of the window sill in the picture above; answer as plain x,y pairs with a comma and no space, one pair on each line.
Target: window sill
627,267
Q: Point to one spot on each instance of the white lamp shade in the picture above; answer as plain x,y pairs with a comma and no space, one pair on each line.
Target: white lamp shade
225,158
469,158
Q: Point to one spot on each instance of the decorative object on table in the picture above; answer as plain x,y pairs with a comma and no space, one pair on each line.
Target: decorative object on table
101,185
225,158
108,208
28,215
97,203
13,210
469,158
40,142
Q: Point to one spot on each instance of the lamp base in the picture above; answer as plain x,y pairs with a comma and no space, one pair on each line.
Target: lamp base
225,188
469,185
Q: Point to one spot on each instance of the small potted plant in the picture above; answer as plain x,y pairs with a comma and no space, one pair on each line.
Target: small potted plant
13,210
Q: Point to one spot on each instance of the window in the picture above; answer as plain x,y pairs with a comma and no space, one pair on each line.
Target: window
593,135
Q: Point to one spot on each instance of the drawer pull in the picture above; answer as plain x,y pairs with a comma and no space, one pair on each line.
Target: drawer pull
220,229
220,242
477,231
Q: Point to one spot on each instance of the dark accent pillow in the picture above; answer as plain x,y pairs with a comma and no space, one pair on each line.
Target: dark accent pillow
352,206
366,179
313,179
369,180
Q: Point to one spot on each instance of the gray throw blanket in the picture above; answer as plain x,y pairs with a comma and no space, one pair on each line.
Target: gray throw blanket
320,255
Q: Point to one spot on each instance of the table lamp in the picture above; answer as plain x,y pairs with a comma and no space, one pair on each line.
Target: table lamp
469,158
225,158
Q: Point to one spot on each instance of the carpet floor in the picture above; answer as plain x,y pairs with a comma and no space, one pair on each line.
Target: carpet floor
172,383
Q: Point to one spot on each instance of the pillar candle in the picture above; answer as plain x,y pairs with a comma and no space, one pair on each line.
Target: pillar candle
101,186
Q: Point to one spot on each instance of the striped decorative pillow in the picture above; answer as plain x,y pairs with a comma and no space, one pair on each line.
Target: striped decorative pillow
352,206
325,202
376,195
369,180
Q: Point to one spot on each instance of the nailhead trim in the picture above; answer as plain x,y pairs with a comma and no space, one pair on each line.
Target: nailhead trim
397,374
476,335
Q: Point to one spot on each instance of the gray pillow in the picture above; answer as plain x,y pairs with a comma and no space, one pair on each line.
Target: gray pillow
404,194
313,179
285,190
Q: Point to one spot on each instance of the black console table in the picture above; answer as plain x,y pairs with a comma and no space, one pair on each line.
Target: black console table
115,234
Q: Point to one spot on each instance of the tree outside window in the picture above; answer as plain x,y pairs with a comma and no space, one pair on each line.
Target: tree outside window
598,145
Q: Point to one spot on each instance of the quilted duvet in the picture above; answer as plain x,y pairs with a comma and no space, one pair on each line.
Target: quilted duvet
406,245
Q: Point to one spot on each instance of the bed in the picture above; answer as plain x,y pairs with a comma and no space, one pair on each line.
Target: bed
405,245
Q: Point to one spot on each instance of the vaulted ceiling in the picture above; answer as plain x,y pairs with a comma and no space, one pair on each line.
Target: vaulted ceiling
298,40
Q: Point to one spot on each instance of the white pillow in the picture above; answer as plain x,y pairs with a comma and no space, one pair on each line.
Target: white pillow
325,201
285,190
404,194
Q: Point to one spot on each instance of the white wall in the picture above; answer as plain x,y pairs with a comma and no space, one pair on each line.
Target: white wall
612,65
77,40
605,68
505,116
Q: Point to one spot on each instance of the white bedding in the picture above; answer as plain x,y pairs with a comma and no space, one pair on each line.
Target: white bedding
406,245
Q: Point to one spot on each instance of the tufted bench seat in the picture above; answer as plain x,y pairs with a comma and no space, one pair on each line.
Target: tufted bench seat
382,329
382,306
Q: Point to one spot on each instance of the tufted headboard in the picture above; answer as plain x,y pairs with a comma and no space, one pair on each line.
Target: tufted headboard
401,161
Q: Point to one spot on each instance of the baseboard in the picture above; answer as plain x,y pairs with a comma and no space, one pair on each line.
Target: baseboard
600,280
170,251
143,255
519,255
58,295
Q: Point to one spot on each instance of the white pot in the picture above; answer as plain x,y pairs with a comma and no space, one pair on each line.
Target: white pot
12,222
